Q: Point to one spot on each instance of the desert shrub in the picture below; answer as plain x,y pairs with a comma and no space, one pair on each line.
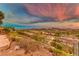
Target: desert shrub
9,29
58,52
39,38
57,44
14,36
29,45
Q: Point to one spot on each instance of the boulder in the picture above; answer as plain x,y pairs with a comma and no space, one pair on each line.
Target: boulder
4,42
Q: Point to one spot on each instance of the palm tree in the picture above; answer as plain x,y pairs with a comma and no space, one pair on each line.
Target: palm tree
1,17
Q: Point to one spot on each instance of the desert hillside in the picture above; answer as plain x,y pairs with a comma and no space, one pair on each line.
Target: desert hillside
54,42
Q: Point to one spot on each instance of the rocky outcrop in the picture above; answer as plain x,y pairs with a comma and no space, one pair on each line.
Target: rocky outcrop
4,42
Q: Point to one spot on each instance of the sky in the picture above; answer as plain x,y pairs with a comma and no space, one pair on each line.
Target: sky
40,15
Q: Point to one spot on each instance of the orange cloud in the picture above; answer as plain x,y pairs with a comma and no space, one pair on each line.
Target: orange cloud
59,12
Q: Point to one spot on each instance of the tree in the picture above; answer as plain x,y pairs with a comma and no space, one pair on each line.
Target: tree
1,17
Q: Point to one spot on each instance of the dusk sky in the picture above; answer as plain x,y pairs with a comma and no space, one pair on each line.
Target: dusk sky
41,15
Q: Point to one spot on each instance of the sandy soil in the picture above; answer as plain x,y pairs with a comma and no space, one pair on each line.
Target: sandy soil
16,50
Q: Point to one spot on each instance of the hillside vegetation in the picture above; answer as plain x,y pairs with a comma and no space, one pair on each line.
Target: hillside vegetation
57,42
